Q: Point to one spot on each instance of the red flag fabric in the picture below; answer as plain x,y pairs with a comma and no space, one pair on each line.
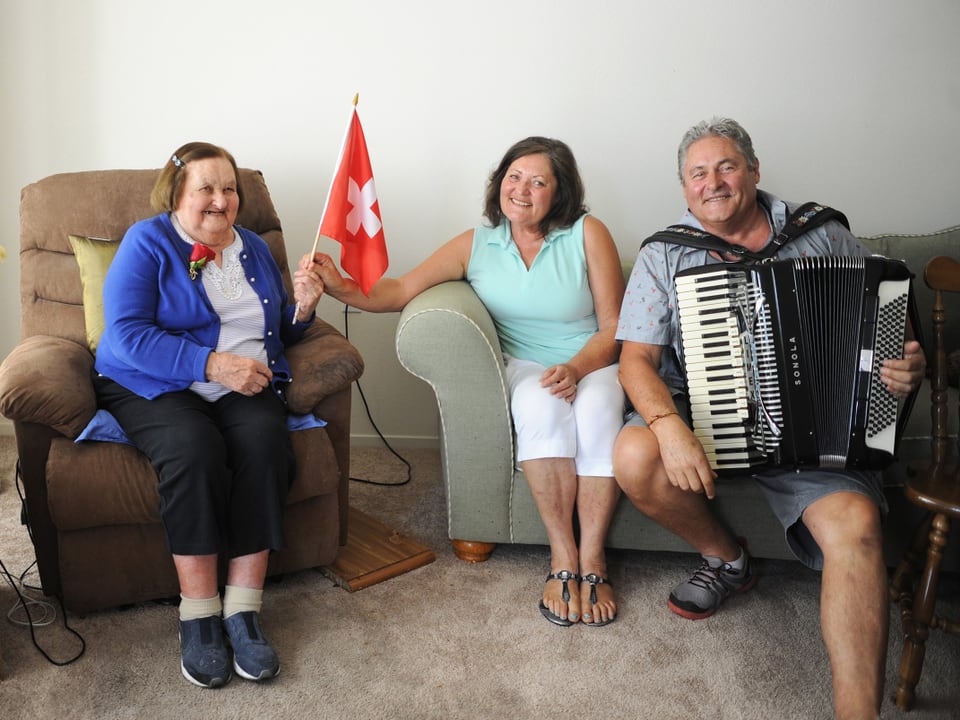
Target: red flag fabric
352,213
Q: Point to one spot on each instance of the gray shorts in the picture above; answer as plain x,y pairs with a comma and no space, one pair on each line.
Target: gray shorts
790,492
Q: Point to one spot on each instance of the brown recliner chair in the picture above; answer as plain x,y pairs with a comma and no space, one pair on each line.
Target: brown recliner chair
92,506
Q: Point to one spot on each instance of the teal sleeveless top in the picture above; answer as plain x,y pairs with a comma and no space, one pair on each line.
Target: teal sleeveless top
544,314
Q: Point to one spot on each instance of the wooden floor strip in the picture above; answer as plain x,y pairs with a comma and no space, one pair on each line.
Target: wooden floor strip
374,552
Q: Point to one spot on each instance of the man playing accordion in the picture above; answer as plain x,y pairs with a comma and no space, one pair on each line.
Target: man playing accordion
832,516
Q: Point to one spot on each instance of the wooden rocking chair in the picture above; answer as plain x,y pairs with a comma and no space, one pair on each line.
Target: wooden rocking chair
936,489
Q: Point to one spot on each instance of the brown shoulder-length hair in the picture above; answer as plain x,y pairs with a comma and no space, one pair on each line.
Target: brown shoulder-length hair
167,189
568,200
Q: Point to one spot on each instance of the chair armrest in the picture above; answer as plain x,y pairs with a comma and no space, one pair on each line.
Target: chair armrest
445,336
322,363
46,380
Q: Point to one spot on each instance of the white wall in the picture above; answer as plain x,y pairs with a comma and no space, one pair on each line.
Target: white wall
855,104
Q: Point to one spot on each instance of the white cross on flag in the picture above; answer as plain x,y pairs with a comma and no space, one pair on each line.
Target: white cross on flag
352,213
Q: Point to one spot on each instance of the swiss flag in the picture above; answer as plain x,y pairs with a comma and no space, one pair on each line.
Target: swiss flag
352,213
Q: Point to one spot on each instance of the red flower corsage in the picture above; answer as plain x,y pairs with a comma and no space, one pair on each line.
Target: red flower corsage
198,258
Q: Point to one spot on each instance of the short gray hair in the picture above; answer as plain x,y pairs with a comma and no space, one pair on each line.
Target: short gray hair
717,127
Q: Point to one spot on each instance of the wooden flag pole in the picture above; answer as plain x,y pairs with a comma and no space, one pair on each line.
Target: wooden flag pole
316,240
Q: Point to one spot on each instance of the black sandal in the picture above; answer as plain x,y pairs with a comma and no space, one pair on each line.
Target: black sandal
563,576
595,580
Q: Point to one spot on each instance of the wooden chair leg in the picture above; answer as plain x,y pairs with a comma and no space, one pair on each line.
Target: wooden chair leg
470,551
916,616
912,561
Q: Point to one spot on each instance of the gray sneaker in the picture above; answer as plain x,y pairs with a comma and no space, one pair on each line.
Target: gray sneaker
253,657
715,580
204,658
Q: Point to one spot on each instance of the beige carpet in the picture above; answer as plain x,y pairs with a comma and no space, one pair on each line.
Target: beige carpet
452,640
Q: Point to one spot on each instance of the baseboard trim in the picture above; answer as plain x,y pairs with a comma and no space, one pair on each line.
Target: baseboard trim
360,441
397,441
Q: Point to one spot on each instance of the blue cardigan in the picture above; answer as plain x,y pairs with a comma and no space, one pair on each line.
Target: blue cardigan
160,325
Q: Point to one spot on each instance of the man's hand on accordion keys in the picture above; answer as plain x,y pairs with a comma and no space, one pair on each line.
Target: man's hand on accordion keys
901,377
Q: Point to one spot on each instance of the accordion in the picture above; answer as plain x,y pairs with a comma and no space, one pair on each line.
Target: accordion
782,360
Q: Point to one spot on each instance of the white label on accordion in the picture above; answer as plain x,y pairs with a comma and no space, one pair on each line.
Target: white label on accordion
866,360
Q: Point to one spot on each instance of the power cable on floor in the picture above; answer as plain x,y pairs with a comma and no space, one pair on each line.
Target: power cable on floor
25,602
366,407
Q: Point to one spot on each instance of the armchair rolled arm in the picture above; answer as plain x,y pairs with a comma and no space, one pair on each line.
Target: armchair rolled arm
46,380
446,337
322,364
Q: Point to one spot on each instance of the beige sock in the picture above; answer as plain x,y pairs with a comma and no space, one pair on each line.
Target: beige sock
194,608
241,599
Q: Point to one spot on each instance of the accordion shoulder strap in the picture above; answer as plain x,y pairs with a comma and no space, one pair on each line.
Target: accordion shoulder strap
805,218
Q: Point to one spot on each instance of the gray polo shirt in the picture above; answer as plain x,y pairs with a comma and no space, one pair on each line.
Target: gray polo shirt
649,310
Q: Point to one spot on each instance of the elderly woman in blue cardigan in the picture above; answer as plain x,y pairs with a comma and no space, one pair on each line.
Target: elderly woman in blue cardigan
191,365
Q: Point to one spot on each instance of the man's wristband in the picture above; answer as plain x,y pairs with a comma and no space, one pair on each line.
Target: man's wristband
661,416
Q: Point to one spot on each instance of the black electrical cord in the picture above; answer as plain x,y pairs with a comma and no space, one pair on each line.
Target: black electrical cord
24,605
24,602
366,407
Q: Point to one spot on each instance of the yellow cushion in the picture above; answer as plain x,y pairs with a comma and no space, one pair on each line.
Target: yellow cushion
94,256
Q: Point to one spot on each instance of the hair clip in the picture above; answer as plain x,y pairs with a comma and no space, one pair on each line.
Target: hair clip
177,161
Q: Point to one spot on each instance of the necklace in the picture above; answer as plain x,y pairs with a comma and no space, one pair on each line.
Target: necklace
228,279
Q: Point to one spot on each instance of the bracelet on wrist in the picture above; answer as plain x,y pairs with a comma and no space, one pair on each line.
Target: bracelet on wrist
661,416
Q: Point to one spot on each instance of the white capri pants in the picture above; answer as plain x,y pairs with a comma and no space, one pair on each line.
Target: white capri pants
549,427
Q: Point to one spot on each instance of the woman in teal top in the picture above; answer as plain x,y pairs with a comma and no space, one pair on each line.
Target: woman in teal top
550,276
